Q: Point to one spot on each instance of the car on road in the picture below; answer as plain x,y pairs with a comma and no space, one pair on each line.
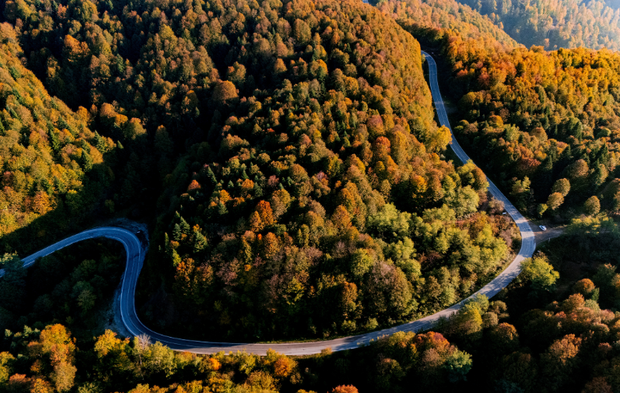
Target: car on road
542,227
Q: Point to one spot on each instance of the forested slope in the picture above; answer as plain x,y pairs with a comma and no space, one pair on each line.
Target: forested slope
546,122
543,123
547,332
292,150
556,24
428,18
75,286
319,205
303,190
551,332
52,163
552,24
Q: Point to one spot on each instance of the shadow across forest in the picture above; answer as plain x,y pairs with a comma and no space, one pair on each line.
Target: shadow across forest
106,195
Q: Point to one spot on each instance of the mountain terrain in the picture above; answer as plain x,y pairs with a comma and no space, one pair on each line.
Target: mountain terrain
556,24
296,185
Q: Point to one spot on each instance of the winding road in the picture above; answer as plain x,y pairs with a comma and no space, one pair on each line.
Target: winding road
135,251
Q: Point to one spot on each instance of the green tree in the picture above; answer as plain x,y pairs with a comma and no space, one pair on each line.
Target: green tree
561,186
458,365
592,206
6,366
361,263
539,273
555,200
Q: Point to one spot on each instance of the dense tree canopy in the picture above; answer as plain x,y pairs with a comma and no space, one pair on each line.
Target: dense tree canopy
556,24
290,150
428,19
319,203
302,190
561,135
544,122
50,159
527,340
73,285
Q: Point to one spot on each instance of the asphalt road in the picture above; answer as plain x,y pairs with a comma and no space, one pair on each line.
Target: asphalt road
135,258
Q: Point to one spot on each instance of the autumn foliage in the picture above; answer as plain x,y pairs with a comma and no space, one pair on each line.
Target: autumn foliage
51,161
317,201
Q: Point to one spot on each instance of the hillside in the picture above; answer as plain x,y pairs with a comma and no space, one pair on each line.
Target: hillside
548,332
52,163
551,24
320,204
425,19
560,142
286,158
292,152
542,123
556,24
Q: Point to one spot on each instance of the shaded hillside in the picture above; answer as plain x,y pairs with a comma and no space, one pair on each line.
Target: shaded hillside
75,285
303,191
425,18
546,332
52,163
556,24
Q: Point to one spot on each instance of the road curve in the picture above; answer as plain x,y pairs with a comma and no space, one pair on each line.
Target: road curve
136,252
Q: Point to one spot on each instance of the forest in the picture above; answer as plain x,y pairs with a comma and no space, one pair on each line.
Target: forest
556,24
552,328
320,182
52,163
548,123
432,18
341,214
73,286
296,186
552,24
543,123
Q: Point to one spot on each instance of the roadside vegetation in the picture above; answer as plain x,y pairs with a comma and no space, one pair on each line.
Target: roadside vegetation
555,327
73,286
542,123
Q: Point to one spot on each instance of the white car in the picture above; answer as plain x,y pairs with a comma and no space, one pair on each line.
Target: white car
542,227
